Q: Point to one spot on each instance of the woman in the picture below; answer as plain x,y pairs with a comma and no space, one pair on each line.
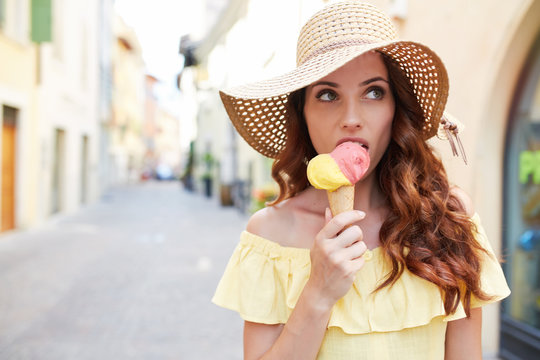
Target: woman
403,276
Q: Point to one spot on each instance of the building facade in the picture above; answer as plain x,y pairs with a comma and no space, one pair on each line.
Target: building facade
67,108
494,76
18,77
48,94
126,148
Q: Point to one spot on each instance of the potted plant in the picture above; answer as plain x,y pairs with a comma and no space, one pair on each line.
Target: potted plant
263,195
207,176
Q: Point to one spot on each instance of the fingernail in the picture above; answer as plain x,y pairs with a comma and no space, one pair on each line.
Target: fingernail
361,213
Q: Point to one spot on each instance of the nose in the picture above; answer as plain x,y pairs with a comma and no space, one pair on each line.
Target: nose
352,115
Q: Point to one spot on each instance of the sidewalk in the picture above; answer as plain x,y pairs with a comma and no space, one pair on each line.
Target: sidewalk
128,278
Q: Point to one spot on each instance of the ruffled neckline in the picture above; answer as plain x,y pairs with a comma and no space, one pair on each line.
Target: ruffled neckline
291,251
275,249
264,280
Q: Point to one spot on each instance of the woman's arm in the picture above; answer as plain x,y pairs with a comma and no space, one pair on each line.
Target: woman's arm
335,260
464,337
300,338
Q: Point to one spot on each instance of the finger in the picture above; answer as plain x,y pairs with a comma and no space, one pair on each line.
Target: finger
339,222
356,250
349,236
357,264
327,215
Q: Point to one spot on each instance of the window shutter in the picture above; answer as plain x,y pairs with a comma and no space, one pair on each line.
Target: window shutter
41,20
2,13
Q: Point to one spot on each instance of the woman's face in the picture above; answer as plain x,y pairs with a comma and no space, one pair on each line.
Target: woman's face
354,103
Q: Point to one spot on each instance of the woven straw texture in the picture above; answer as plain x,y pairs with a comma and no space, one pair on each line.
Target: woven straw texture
331,38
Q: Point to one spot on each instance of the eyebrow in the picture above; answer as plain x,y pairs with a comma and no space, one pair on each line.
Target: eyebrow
363,83
377,78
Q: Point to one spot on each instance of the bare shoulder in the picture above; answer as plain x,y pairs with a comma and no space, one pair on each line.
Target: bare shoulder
293,222
464,199
271,222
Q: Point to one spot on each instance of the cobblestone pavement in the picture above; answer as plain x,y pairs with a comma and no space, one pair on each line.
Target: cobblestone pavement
130,277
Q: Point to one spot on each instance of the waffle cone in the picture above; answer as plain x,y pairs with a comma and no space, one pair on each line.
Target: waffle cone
341,200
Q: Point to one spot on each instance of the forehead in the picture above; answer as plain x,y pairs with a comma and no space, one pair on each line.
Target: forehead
364,66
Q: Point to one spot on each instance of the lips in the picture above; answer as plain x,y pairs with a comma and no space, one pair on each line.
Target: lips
360,141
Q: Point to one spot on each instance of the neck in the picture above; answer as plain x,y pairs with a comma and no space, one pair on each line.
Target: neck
368,195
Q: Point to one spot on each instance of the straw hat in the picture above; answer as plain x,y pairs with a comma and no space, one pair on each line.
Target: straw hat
331,38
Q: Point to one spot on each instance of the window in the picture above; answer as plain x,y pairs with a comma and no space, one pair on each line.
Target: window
2,13
41,20
521,311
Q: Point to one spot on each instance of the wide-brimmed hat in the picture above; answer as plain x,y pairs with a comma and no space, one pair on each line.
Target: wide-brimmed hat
331,38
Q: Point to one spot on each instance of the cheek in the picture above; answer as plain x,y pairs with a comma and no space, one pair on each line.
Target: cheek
315,129
388,116
385,129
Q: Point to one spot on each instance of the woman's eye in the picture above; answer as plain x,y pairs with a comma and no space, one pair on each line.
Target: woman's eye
375,93
327,95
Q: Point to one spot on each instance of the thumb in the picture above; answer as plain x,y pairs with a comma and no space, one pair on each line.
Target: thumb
327,215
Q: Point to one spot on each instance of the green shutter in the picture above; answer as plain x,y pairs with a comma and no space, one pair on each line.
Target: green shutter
41,20
2,13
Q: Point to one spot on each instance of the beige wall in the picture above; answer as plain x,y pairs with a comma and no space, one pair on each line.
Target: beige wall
18,64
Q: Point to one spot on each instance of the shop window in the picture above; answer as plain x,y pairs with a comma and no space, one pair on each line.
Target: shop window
521,311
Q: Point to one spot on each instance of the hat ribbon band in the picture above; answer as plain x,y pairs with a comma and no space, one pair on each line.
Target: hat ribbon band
451,131
332,46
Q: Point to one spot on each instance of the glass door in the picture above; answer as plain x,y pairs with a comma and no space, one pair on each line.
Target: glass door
520,328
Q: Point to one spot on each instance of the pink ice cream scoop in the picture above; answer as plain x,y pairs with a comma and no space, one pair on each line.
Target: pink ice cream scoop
337,173
344,166
352,159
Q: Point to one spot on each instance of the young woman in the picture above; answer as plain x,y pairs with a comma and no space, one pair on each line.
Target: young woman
405,275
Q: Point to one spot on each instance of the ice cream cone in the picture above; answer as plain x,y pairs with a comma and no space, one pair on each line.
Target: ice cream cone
341,200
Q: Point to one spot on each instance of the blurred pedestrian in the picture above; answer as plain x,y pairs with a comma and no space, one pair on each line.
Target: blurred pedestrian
406,274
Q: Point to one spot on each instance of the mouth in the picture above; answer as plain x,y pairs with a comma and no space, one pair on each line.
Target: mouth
362,142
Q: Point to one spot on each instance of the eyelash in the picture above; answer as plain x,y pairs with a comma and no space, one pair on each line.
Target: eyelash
377,88
328,91
325,91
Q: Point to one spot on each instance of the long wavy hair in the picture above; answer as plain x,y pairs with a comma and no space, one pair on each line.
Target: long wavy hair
426,231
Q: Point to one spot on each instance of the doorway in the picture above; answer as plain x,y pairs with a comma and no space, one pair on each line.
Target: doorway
58,171
84,169
9,146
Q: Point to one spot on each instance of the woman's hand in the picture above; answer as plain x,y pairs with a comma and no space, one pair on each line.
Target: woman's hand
336,256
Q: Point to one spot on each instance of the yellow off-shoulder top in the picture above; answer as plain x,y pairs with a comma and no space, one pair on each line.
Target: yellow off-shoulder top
263,282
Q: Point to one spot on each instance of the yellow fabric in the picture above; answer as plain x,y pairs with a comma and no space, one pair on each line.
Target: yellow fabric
263,281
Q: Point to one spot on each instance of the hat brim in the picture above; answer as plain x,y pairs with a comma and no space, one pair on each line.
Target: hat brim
258,110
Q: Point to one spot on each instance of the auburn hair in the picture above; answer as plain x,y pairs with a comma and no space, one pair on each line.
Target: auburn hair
427,230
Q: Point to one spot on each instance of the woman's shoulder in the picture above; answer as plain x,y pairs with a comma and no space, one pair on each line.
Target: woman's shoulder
289,223
464,199
272,222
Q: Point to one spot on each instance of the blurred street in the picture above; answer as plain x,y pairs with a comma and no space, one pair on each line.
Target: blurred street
129,277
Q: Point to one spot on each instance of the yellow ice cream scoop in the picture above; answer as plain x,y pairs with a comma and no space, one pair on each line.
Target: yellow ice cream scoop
324,173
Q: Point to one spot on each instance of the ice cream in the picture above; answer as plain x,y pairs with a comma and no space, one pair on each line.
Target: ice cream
337,173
